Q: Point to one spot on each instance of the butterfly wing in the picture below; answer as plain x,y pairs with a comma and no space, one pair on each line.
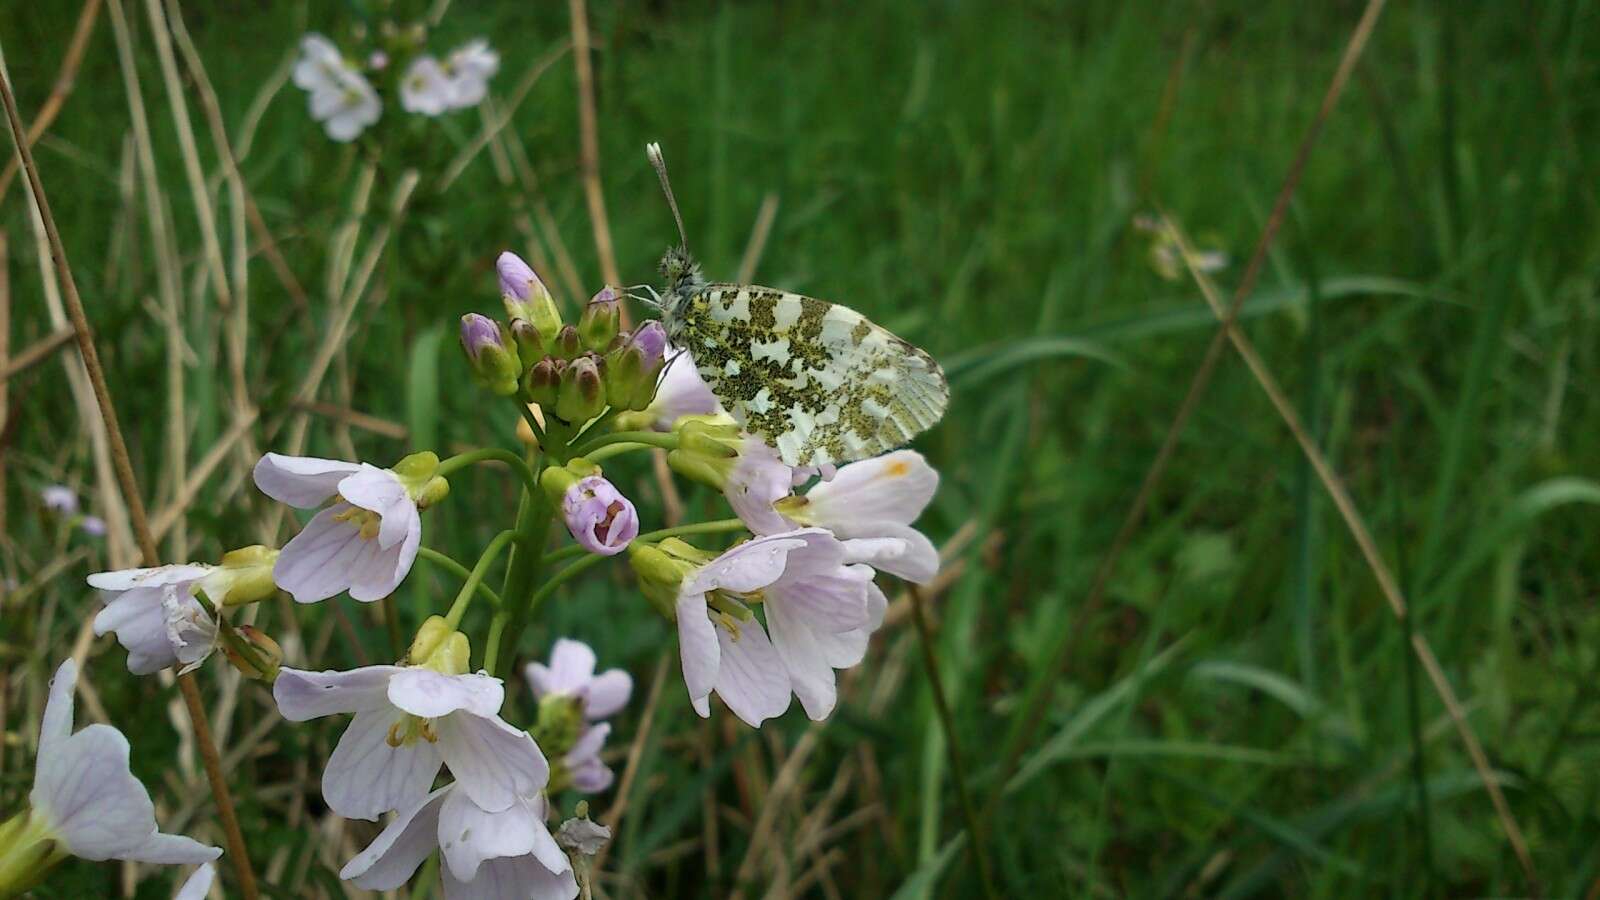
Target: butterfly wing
818,382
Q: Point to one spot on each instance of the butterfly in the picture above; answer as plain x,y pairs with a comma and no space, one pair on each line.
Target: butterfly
818,382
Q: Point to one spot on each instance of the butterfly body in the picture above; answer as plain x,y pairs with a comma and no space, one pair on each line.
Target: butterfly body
819,382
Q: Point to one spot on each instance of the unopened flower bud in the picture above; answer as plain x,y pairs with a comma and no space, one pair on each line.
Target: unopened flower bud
525,295
599,322
418,472
601,519
439,647
530,343
542,381
244,576
707,451
581,396
568,343
253,652
661,574
491,353
634,368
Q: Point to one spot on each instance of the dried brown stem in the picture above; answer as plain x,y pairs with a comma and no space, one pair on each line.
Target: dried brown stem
130,489
31,355
66,79
589,138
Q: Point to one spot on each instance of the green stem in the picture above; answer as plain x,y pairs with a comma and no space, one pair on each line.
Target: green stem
498,454
468,589
601,421
653,438
533,528
560,578
457,569
611,450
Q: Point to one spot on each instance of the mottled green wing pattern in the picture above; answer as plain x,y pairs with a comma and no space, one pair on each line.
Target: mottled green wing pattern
819,382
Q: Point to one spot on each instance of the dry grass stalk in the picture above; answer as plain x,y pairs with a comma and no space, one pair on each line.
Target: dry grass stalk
66,80
1387,584
128,482
494,122
589,143
31,355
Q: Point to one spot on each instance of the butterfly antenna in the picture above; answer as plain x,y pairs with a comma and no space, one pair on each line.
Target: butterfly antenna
653,150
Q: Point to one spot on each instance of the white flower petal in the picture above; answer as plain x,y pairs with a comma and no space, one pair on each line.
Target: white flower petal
303,695
899,550
84,788
317,563
492,761
172,850
832,602
469,835
394,855
380,491
520,878
748,567
698,649
895,487
56,725
429,694
810,674
608,694
571,666
366,777
157,576
752,679
302,481
592,776
198,885
589,742
141,628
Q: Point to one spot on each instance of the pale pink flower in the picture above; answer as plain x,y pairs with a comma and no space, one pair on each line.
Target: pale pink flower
601,519
407,722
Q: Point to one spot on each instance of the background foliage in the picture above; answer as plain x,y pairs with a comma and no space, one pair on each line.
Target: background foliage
1241,717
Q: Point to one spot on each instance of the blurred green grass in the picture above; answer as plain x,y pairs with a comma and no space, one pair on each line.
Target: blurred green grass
1234,722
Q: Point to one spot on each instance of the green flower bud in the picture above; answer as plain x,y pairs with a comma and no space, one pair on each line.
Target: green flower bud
708,449
581,396
559,724
439,647
531,345
568,343
526,297
244,576
418,472
601,318
491,354
555,481
253,652
542,381
661,570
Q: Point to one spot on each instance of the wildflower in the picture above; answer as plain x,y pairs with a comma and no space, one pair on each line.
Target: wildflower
505,853
409,720
600,320
491,354
93,526
469,68
426,88
58,498
871,504
155,614
367,540
341,97
571,674
526,297
600,518
85,802
572,700
633,367
680,391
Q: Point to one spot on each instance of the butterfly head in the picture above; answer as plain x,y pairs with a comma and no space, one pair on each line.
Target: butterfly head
681,273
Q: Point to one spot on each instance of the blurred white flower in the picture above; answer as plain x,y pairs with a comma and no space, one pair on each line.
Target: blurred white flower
407,722
426,89
506,854
60,498
341,97
367,540
571,674
469,68
85,796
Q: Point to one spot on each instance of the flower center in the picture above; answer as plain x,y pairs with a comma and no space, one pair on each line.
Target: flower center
406,729
364,519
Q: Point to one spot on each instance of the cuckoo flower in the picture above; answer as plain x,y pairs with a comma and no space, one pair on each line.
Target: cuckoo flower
155,614
507,854
409,720
341,97
367,540
680,391
819,611
85,798
59,498
599,517
469,68
426,88
572,700
870,505
198,884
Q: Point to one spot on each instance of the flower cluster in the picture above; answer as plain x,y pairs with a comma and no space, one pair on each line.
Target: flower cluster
343,97
770,618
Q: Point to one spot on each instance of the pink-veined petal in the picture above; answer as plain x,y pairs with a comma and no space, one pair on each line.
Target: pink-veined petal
698,650
571,666
895,487
810,673
394,855
156,576
517,878
303,695
302,481
380,491
750,566
492,761
752,679
366,776
429,694
469,835
84,788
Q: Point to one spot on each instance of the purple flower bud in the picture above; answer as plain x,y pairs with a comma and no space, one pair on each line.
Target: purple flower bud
599,517
651,339
607,296
516,276
598,324
478,333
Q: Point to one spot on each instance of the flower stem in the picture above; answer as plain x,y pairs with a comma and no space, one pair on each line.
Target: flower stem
470,587
533,422
653,438
611,450
533,527
487,454
457,569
